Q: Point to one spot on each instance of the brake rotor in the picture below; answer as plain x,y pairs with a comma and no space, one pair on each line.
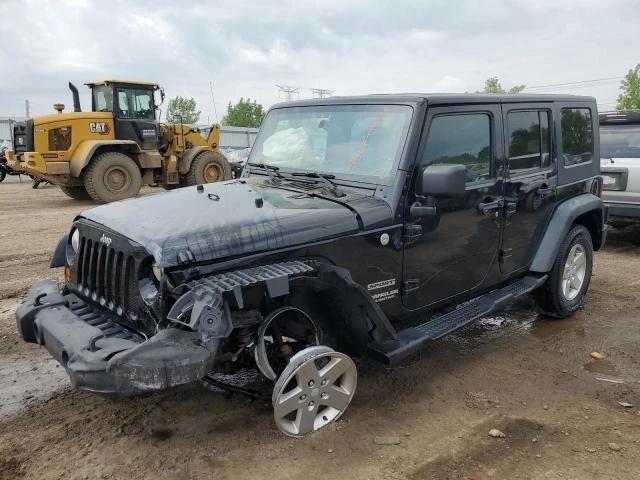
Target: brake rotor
315,389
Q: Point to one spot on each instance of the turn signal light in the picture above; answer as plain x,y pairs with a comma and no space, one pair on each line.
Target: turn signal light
67,274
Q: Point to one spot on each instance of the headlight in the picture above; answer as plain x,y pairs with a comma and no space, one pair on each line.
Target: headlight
73,247
75,240
157,272
149,281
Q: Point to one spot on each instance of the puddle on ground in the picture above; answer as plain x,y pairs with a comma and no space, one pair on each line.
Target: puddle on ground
25,380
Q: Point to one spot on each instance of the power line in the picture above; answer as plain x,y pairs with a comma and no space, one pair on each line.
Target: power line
569,84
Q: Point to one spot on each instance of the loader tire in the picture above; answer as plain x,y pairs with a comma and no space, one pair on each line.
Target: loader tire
208,167
77,193
112,176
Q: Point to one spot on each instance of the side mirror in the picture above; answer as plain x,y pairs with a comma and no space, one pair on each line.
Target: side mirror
444,180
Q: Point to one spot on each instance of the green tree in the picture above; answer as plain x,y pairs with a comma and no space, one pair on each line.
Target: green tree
492,85
182,110
629,99
245,113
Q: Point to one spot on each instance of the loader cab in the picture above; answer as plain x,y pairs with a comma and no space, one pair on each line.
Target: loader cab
134,109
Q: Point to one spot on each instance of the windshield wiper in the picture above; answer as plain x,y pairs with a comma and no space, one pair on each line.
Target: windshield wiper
324,177
272,171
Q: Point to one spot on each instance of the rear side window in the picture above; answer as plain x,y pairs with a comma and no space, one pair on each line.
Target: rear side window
461,139
577,136
528,139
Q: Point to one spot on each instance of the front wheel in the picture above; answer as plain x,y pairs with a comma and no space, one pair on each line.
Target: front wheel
77,193
3,173
569,278
112,176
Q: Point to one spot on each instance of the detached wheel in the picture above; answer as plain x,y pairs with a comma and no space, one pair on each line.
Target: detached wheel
314,390
77,193
208,167
112,176
569,278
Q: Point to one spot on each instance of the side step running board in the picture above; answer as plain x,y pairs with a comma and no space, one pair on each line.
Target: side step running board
413,339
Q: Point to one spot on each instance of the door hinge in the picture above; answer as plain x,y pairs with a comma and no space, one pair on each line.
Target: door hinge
412,233
505,253
410,285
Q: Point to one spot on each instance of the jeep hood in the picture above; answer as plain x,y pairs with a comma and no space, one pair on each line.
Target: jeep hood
236,218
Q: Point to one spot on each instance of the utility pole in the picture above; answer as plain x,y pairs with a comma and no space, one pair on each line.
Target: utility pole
213,100
288,92
321,93
26,107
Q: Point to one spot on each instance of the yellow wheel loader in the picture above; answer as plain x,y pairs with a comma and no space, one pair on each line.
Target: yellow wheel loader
107,154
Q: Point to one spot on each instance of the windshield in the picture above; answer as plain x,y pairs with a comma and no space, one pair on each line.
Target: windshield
620,141
357,142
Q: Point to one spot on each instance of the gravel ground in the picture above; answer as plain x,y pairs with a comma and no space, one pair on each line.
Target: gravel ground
530,378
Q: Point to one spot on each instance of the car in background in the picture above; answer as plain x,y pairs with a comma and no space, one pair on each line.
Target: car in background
620,166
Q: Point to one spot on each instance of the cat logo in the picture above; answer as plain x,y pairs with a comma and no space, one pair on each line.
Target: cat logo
99,127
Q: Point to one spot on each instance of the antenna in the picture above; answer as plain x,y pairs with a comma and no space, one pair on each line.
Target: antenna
288,92
321,93
215,111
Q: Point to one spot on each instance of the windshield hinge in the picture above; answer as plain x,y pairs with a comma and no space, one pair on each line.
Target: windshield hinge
412,233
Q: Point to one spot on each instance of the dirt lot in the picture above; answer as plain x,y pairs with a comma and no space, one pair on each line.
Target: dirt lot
531,378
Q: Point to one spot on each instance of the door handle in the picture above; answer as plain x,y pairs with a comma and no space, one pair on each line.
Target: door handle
488,208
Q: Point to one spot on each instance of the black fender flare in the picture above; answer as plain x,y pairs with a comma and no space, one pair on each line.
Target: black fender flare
366,320
564,216
59,257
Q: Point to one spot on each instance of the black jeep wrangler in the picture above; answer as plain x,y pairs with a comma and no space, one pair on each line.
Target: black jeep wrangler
360,226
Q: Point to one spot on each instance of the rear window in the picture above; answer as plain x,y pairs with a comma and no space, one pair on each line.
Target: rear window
528,139
620,141
577,136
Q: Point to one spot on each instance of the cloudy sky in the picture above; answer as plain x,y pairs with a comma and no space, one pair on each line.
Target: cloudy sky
245,48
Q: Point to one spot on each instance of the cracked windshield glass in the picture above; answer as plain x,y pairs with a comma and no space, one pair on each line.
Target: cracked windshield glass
358,142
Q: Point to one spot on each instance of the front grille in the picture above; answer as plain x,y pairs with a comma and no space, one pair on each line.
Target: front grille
108,277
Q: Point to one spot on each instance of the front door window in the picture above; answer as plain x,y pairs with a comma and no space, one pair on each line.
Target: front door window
135,104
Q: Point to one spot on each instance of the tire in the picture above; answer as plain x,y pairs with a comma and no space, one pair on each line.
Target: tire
3,173
77,193
112,176
208,167
556,298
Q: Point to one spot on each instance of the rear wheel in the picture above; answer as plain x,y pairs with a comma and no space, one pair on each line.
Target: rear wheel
77,193
3,172
569,278
208,167
112,176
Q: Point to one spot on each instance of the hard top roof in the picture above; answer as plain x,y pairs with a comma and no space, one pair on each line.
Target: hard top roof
126,82
438,99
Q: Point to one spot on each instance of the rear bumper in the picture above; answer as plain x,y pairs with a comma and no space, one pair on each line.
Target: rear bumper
623,213
102,356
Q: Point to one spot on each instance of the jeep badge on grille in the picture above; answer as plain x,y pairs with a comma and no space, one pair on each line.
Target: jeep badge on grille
106,240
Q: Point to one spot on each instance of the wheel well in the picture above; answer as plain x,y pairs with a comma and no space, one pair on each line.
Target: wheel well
125,149
591,220
342,309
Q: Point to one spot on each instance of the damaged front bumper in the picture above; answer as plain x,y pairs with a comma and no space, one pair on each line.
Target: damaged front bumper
102,356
